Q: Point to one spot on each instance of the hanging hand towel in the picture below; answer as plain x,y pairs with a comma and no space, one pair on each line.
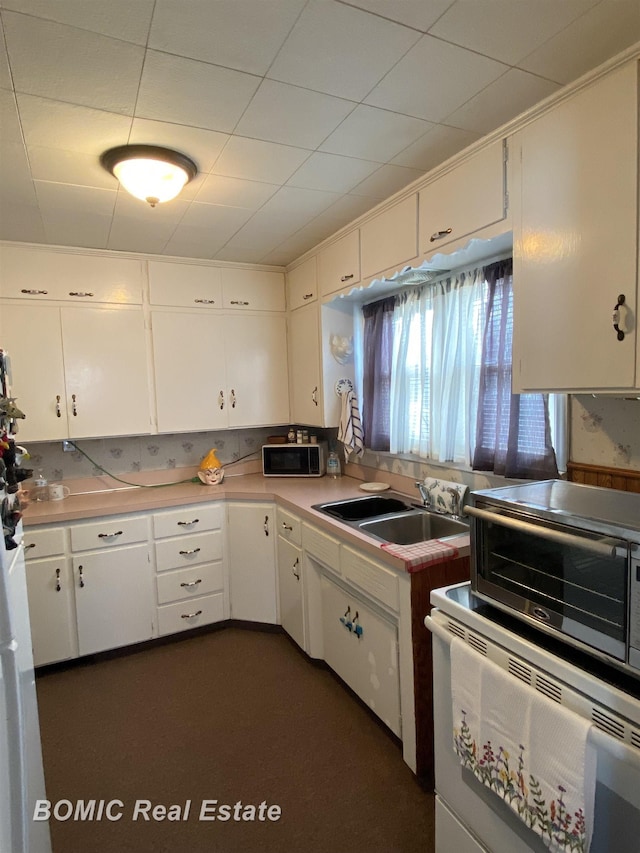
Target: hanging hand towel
350,429
531,751
441,497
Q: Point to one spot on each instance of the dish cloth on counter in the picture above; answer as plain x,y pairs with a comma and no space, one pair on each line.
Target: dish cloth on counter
528,749
350,428
441,499
424,554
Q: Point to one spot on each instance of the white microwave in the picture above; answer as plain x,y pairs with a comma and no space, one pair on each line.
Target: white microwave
294,460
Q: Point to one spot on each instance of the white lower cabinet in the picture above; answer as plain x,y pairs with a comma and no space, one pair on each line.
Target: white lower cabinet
361,646
290,590
190,568
252,561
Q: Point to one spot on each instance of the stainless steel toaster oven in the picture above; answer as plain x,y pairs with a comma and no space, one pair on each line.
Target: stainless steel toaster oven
564,557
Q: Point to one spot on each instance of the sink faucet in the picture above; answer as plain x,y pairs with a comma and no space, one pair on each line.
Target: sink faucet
424,494
455,503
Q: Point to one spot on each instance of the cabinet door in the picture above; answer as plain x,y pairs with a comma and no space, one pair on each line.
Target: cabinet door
253,290
114,598
304,361
466,199
32,336
189,369
290,590
390,238
105,364
185,285
252,561
339,264
302,284
575,248
51,610
367,658
257,376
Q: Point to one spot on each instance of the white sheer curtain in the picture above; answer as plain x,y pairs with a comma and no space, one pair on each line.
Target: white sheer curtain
436,366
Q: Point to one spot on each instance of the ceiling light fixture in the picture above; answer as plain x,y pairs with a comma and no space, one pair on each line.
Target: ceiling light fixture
149,172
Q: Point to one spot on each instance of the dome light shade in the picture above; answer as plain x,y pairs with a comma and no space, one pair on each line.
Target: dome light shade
149,172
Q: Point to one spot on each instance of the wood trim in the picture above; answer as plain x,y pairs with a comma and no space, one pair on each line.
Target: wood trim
600,475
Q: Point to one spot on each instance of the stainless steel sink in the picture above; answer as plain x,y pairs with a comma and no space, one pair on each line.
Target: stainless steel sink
357,509
413,526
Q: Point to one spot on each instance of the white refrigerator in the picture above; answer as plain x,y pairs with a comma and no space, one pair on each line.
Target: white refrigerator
21,773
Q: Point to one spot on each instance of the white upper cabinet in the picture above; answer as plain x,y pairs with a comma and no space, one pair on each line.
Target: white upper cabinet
252,290
185,285
464,200
302,284
576,241
43,274
304,367
339,264
390,238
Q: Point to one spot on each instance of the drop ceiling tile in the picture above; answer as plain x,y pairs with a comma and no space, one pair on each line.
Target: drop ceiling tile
436,146
54,198
512,94
184,91
262,233
68,167
245,255
506,30
256,160
70,127
291,115
331,172
10,131
190,243
168,214
373,134
386,181
202,146
221,222
15,175
76,228
331,49
5,74
20,222
298,205
246,40
76,66
417,85
119,19
236,192
607,29
129,234
419,14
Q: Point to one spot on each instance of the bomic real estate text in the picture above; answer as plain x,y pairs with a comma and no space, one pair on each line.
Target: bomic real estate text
146,810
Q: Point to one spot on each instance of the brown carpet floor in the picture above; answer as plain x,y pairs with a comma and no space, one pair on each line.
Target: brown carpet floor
233,715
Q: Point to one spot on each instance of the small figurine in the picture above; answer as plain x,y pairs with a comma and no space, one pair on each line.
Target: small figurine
211,472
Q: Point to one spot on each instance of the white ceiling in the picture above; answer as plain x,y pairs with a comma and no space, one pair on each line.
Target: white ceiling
301,114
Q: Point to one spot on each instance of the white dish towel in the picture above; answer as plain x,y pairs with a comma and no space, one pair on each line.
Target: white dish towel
531,751
350,428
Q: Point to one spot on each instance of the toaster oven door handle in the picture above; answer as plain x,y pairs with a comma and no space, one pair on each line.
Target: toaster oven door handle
606,546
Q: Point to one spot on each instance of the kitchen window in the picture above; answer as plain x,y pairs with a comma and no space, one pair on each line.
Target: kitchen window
436,379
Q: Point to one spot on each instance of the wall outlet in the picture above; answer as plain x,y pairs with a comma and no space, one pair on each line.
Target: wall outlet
67,446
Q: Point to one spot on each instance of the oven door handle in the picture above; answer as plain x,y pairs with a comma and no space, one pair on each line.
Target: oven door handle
606,547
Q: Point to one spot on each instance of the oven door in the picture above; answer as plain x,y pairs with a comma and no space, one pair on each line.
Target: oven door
565,579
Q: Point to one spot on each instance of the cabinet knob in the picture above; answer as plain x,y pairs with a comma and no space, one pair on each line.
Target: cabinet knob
346,277
440,234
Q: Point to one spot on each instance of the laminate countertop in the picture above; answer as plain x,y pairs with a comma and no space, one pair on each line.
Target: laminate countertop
298,495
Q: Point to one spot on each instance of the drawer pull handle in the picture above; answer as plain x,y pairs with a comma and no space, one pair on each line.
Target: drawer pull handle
346,277
58,587
81,577
187,523
616,317
74,407
192,583
205,301
266,525
233,399
314,396
30,292
286,526
188,553
80,293
30,545
109,535
191,615
440,234
221,400
58,412
238,302
307,296
346,619
296,574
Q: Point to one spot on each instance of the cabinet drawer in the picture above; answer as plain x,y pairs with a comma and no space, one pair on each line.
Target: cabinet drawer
339,264
190,583
185,285
188,519
253,290
109,533
192,550
374,579
367,658
302,284
324,548
43,543
390,239
289,526
190,614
